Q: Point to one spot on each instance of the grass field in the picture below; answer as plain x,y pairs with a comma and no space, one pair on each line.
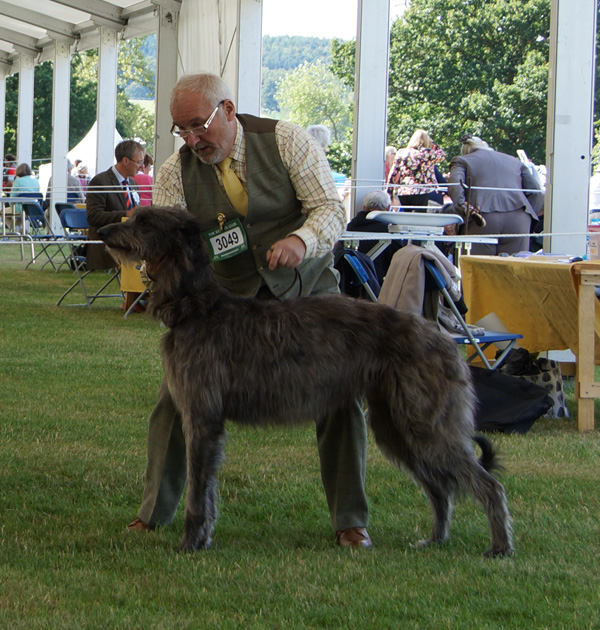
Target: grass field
77,386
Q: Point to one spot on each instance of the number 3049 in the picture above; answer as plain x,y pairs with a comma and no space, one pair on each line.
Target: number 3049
231,239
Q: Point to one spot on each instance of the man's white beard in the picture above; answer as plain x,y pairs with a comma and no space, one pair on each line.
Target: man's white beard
216,157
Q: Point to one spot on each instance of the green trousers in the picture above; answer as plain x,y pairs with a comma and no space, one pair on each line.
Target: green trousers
341,440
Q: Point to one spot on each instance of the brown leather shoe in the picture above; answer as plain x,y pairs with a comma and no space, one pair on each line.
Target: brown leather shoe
137,525
354,538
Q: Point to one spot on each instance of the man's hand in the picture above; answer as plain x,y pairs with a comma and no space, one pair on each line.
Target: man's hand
288,252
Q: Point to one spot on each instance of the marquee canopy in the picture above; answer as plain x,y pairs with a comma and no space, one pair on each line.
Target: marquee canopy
224,36
32,26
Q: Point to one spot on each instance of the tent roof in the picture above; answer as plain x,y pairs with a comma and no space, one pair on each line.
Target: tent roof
86,149
32,26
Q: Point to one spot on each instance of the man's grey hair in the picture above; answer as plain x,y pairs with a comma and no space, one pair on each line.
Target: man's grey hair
473,143
321,134
209,86
377,200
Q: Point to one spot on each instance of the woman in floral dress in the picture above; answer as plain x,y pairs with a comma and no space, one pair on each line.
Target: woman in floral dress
412,177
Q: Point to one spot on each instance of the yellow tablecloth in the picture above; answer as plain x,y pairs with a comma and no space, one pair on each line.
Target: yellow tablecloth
536,297
551,303
131,281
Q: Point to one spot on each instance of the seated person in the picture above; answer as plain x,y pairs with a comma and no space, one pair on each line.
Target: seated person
25,182
375,200
74,190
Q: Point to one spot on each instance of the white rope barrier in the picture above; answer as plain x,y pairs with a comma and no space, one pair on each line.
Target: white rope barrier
96,189
10,240
369,184
536,234
438,186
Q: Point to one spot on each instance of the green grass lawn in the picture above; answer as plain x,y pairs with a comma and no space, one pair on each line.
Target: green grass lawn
76,389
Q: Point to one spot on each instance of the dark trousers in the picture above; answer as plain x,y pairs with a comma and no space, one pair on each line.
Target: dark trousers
415,200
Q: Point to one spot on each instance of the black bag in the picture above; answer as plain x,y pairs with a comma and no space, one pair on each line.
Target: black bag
507,404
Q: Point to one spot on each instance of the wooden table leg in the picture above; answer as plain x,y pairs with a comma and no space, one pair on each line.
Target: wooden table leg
585,388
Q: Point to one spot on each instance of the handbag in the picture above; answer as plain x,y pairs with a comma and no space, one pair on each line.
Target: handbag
542,372
550,378
470,214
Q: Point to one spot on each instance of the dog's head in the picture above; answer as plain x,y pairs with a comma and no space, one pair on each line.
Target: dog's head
169,242
154,235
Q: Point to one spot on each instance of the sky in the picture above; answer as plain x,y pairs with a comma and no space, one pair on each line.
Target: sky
312,18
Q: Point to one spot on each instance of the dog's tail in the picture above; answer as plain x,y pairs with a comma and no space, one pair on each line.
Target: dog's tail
489,457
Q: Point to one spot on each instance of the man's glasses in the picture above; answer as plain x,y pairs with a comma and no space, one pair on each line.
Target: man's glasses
138,163
198,131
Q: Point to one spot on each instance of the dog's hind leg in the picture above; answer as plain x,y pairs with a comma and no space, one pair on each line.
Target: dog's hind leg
492,496
204,454
440,490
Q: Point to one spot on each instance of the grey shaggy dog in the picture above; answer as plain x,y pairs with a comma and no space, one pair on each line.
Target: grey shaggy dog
265,362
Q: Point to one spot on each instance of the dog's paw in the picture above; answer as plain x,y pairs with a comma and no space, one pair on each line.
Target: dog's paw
426,542
499,553
189,545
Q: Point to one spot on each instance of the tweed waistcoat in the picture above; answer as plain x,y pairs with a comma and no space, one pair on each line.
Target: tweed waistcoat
273,213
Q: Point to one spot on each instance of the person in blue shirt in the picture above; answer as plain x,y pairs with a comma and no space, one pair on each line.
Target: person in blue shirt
24,182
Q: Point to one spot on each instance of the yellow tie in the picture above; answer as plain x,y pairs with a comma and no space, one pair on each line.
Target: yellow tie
233,187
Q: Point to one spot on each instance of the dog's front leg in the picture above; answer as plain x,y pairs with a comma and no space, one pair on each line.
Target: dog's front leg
204,447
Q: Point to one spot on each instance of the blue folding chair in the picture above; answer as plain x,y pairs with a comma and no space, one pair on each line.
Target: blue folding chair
479,343
40,232
369,282
358,275
74,222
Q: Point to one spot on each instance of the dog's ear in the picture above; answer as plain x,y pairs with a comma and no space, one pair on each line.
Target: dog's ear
193,233
195,243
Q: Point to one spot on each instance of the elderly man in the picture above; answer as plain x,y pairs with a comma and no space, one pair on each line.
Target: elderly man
375,200
504,193
269,183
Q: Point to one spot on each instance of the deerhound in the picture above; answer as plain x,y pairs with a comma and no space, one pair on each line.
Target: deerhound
266,361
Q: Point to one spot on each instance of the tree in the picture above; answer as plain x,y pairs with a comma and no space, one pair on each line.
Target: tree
82,110
312,95
132,120
268,100
282,54
288,52
472,65
466,65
